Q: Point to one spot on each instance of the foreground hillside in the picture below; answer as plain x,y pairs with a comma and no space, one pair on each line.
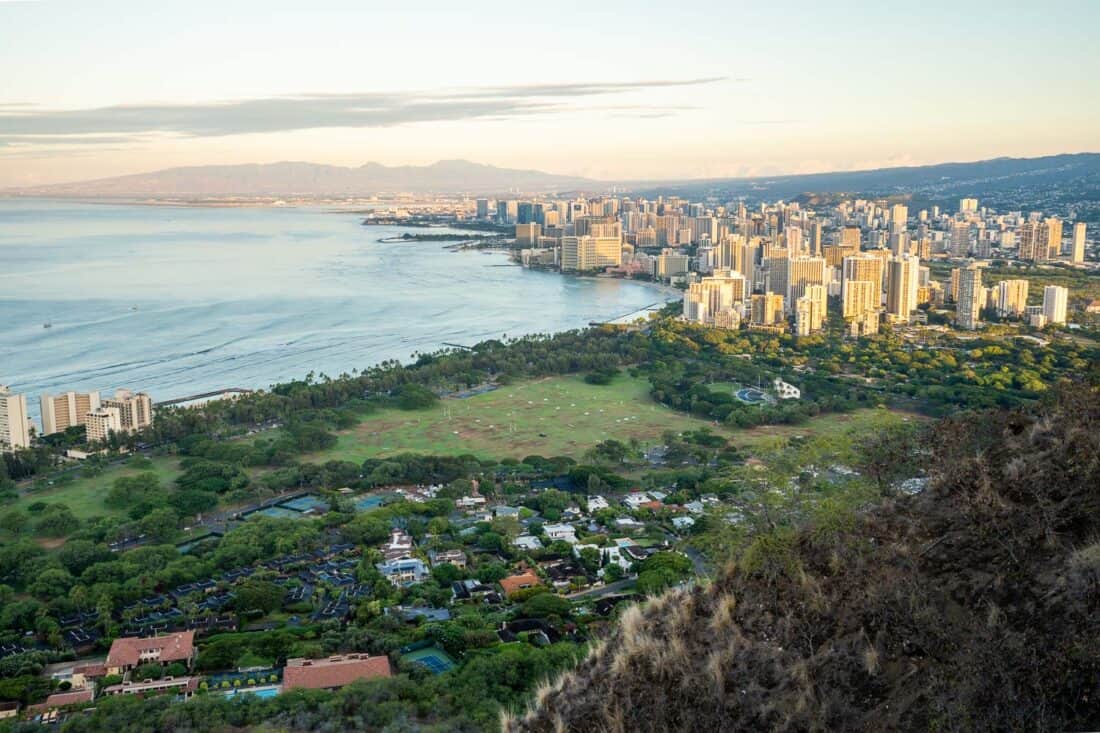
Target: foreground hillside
971,606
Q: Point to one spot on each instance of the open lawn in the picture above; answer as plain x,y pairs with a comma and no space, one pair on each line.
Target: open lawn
84,495
548,417
864,421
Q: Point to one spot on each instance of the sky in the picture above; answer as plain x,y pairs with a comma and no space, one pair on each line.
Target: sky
606,90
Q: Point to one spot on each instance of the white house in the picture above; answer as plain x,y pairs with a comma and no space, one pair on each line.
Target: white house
682,523
469,502
608,555
596,503
785,391
636,499
564,532
527,542
629,524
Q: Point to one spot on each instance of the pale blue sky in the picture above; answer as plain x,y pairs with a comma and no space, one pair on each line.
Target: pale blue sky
104,88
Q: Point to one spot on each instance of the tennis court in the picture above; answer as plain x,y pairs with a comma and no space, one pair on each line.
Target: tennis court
304,503
435,659
277,512
368,502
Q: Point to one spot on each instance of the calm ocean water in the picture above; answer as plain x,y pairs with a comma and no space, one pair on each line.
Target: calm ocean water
176,301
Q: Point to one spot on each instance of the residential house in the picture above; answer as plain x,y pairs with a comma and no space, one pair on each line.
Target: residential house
527,542
682,523
404,571
636,499
185,686
563,532
129,652
596,503
60,700
470,589
513,583
470,502
454,557
333,672
400,544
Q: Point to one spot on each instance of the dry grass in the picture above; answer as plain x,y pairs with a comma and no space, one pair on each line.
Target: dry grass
973,606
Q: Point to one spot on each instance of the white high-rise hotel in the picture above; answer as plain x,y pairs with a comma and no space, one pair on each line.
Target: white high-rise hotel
1055,299
14,429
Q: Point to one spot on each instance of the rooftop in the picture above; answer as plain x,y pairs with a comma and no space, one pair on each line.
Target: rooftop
335,671
128,651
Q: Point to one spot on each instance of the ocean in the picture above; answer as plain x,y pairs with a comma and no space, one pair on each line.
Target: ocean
176,301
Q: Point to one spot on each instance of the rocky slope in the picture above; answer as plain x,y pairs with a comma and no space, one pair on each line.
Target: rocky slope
974,605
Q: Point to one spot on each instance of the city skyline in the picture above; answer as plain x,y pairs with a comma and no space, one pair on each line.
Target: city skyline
503,85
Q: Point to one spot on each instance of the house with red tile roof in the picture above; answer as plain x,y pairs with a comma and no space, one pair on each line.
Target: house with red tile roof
60,700
333,672
129,652
185,686
526,579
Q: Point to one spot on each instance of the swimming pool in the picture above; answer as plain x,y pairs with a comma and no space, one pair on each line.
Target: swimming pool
264,692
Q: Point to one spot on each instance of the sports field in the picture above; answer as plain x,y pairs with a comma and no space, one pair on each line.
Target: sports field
552,416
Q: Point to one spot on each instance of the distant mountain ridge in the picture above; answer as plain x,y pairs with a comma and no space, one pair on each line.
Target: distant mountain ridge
313,179
976,177
287,179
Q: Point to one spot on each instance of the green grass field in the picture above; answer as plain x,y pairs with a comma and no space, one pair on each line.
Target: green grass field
84,495
863,422
553,416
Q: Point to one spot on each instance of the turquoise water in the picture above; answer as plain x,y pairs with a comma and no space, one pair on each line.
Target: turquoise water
303,503
264,692
178,301
368,502
278,512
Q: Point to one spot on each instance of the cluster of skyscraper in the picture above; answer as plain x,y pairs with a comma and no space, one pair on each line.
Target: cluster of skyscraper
126,412
775,266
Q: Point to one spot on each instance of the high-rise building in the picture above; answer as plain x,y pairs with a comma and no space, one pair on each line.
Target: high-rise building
483,208
766,309
706,299
527,234
901,289
1077,255
15,431
835,253
899,216
1055,300
813,245
1028,247
865,267
960,238
803,272
971,297
1011,298
135,410
850,237
1050,237
100,423
60,412
810,310
582,254
967,206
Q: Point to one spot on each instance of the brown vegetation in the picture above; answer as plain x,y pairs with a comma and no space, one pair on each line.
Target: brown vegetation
974,605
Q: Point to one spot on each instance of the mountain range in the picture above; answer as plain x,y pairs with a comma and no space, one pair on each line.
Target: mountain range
299,179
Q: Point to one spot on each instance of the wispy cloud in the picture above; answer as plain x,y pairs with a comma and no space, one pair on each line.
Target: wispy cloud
21,125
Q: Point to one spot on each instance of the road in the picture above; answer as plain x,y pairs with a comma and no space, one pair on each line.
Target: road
607,590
